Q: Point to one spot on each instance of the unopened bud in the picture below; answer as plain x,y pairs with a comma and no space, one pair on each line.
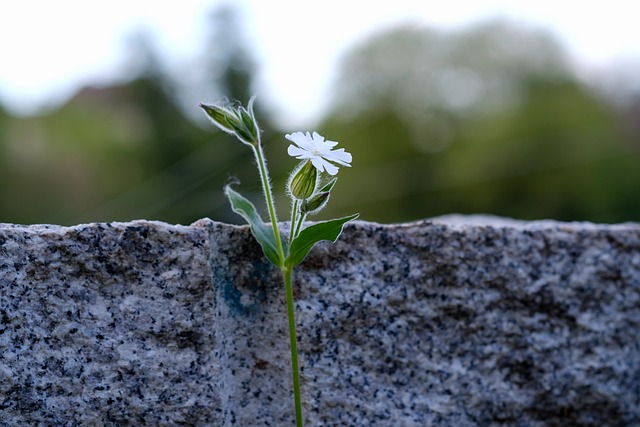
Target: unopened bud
315,204
249,123
304,180
220,116
238,121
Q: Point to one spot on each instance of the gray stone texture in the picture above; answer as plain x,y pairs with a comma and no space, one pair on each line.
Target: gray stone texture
455,321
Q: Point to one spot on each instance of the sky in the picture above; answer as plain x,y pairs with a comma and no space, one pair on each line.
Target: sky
48,49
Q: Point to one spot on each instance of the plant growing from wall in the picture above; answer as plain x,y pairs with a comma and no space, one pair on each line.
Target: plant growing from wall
308,188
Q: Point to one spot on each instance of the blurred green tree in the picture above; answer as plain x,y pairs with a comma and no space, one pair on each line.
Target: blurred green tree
129,150
490,119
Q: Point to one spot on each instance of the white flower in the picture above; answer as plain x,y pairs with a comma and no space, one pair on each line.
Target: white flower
318,151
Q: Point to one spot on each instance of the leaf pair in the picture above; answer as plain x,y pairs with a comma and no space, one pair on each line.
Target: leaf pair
265,235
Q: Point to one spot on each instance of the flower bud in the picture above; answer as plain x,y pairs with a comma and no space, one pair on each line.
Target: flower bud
220,116
315,204
303,181
238,121
245,126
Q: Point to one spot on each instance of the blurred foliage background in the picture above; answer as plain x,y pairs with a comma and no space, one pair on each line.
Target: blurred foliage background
490,119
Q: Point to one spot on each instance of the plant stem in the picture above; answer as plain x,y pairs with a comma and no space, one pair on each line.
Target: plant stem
294,213
266,187
286,275
300,221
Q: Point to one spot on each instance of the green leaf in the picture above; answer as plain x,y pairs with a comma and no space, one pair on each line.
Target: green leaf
261,231
325,230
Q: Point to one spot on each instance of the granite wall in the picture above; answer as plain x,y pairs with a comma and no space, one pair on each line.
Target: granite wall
457,321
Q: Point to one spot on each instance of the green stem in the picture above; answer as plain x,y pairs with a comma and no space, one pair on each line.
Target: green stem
266,186
286,275
299,225
294,213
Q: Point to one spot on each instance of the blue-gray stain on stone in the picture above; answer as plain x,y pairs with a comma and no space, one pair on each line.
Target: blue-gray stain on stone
248,299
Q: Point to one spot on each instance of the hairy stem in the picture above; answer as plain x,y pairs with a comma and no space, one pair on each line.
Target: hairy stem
294,214
286,275
299,224
266,187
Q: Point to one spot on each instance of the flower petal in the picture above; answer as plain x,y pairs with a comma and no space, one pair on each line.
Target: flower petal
322,165
330,144
331,169
302,140
318,163
339,156
313,146
294,136
299,153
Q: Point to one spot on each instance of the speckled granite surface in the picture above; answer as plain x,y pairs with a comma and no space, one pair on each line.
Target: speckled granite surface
459,321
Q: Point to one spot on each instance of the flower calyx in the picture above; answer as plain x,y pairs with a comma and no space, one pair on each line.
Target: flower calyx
318,201
303,181
315,204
